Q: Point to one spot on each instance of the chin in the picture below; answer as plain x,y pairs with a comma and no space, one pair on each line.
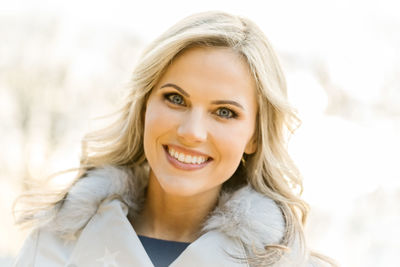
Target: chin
185,188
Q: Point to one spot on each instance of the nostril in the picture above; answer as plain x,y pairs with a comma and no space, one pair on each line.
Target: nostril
192,134
193,128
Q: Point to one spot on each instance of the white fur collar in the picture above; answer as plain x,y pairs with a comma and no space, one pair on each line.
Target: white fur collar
245,214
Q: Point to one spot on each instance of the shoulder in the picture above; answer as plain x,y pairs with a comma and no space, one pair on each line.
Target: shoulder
88,193
249,216
257,221
44,247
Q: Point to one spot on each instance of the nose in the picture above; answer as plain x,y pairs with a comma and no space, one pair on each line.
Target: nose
192,128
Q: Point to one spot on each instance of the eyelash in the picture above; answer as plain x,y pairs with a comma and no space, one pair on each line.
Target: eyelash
168,97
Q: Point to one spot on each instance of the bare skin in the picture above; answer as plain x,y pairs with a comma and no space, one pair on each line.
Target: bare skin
170,217
200,119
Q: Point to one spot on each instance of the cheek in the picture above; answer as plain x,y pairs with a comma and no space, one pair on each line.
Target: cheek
232,140
158,119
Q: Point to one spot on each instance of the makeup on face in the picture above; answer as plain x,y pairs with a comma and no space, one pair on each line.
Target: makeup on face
199,120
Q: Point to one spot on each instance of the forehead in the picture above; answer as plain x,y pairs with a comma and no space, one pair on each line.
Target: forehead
211,70
220,60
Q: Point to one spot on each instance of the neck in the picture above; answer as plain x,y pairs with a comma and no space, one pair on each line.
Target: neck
173,217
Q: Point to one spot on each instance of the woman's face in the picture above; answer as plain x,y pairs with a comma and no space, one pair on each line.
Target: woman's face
200,119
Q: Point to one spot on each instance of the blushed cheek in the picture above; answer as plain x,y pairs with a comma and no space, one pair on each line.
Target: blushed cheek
231,143
159,119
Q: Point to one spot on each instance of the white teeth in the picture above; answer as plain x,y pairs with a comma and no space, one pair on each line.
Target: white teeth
186,158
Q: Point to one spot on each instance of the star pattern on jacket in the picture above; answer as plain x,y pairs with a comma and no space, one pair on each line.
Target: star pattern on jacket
109,258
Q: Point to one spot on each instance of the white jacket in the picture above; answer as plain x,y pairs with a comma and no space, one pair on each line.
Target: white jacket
91,229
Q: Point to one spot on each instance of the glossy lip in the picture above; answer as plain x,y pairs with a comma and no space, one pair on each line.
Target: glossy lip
186,166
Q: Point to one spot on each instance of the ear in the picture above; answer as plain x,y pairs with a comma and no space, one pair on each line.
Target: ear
251,146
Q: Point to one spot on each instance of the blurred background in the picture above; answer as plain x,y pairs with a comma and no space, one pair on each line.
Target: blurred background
64,63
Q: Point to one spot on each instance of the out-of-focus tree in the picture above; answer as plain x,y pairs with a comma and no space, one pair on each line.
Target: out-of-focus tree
53,80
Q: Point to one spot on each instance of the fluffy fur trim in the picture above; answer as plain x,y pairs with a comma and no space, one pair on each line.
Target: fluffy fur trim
253,218
86,195
244,214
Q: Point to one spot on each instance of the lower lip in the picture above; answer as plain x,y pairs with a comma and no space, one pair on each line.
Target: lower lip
184,166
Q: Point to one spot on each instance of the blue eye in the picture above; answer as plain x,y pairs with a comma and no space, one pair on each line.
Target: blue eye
226,113
175,99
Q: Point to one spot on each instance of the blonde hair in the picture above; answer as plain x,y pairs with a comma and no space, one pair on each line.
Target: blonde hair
269,170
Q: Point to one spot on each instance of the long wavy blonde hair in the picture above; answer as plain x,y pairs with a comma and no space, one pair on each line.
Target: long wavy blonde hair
269,170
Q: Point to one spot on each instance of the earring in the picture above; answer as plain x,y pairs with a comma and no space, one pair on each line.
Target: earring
243,161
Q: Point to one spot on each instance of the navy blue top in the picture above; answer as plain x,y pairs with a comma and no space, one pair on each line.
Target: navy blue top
162,252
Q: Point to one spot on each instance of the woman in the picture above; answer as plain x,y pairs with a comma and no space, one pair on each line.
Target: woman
194,172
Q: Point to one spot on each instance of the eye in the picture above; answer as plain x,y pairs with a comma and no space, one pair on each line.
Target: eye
226,113
175,99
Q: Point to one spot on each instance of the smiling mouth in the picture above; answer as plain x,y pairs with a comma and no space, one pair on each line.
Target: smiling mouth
181,159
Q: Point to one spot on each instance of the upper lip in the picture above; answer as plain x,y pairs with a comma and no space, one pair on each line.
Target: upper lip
188,151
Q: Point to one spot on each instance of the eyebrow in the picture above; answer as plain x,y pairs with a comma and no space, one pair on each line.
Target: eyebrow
176,87
229,102
216,102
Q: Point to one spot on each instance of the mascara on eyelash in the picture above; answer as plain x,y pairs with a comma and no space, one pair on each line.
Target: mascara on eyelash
168,95
234,114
